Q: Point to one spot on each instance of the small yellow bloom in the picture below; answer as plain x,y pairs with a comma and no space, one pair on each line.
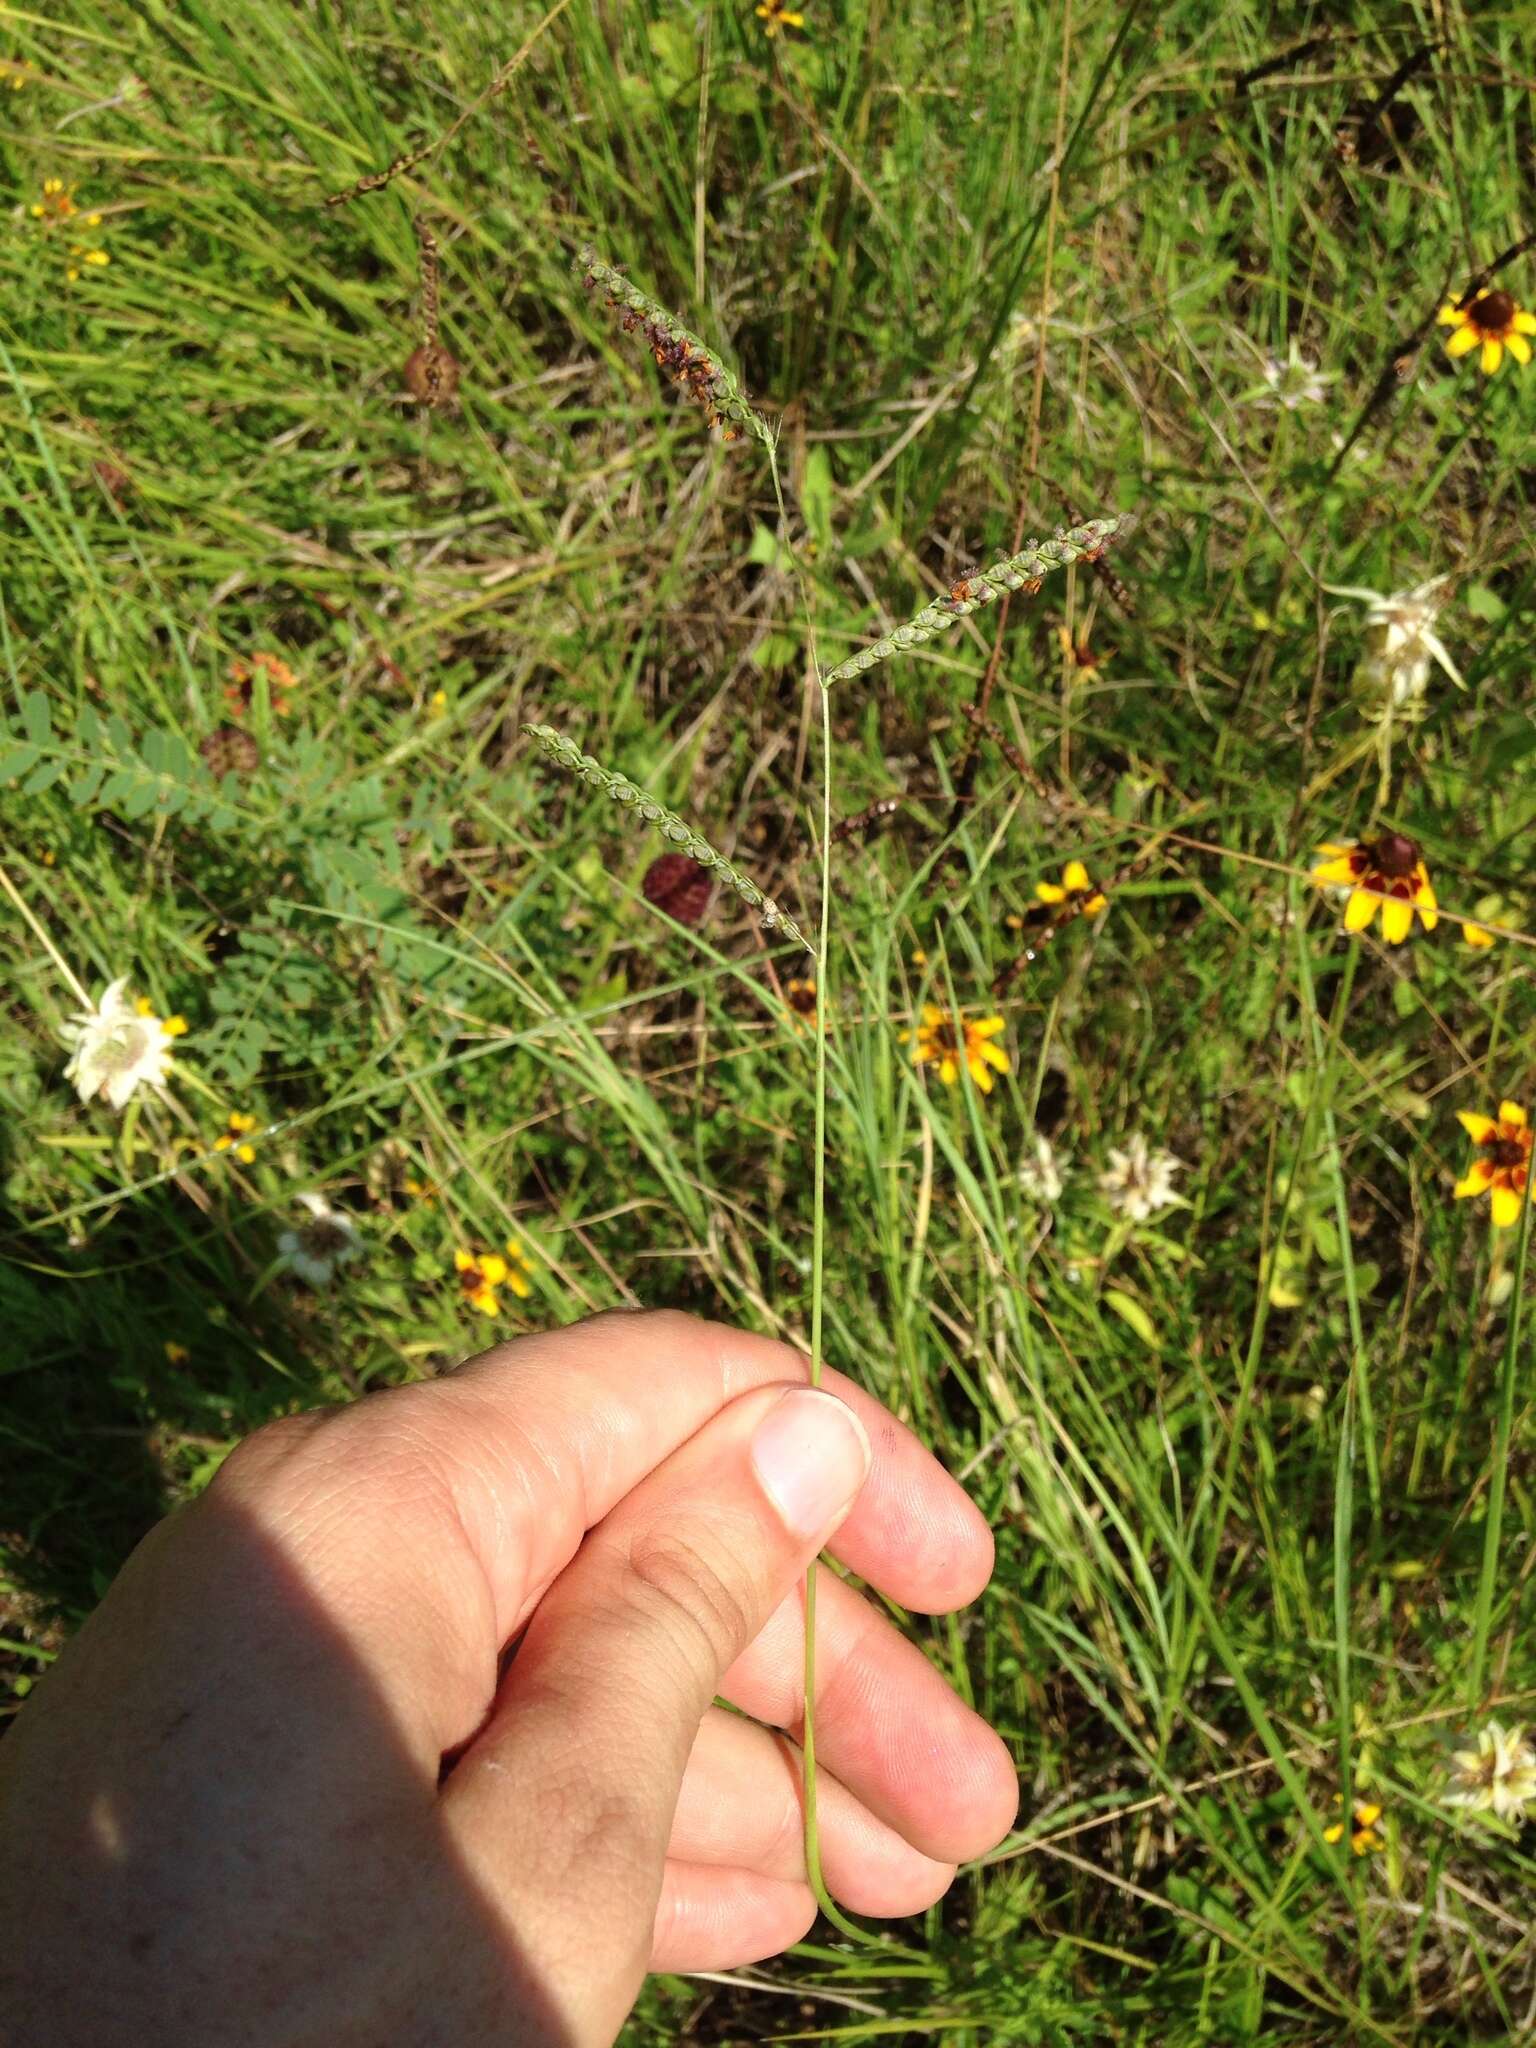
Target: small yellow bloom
423,1191
947,1039
1493,321
57,202
1386,874
233,1139
774,15
1502,1168
1363,1837
482,1273
175,1354
173,1027
439,701
1084,896
1474,935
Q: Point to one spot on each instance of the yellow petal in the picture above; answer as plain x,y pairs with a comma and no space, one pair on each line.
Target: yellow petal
1335,1833
1396,920
949,1073
1478,1128
1493,354
246,1154
1334,874
1050,892
1367,1813
1095,904
519,1286
1074,876
1475,1180
988,1027
1511,1113
1474,935
485,1301
993,1055
1524,323
1518,347
980,1076
463,1262
1359,911
1506,1207
223,1142
1333,846
1449,315
1462,342
932,1016
493,1269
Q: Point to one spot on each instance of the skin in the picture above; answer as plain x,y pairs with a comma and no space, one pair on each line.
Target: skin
287,1786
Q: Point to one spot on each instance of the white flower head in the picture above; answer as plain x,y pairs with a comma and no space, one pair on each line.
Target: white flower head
1039,1171
1295,382
117,1047
1392,675
1139,1181
1498,1776
317,1248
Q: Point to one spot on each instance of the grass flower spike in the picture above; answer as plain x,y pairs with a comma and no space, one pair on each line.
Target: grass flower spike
317,1248
1502,1167
118,1047
1493,321
1497,1775
566,754
947,1040
686,359
1023,571
483,1274
1386,874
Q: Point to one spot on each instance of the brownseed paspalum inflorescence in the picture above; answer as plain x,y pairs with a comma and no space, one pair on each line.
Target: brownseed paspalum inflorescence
691,365
1022,571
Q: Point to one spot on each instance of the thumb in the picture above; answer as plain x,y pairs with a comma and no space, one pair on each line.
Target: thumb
564,1801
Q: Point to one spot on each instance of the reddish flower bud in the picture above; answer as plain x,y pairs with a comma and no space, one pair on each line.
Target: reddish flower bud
679,886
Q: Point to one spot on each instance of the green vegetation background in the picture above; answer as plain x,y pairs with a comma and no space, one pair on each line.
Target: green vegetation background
980,263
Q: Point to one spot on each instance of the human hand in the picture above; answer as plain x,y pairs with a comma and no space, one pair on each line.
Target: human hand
286,1788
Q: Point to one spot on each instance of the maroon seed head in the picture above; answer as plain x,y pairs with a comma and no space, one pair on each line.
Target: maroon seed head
1395,854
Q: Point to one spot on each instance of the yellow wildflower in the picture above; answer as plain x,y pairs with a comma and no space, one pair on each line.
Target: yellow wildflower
482,1273
1502,1168
1363,1837
1492,320
233,1137
947,1039
774,15
1385,874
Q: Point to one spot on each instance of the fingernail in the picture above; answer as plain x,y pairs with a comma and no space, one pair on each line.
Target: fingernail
812,1456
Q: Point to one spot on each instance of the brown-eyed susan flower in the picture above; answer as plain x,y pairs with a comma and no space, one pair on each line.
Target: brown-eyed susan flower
481,1274
1387,874
233,1137
801,998
1493,321
948,1040
1501,1168
1497,1776
774,15
1363,1838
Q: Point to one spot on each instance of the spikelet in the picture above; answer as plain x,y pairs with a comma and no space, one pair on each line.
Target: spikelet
566,754
681,354
1023,572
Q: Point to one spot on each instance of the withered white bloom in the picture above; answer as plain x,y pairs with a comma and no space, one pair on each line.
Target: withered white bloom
1039,1173
1498,1776
117,1047
1139,1181
1295,382
1392,675
329,1239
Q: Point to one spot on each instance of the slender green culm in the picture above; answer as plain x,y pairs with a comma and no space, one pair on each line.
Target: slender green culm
566,754
1023,571
689,361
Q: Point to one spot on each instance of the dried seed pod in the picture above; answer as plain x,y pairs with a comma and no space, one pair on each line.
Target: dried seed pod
679,886
230,750
431,374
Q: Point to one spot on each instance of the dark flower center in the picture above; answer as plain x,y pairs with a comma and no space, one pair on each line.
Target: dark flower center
1507,1152
1491,312
1394,855
943,1036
